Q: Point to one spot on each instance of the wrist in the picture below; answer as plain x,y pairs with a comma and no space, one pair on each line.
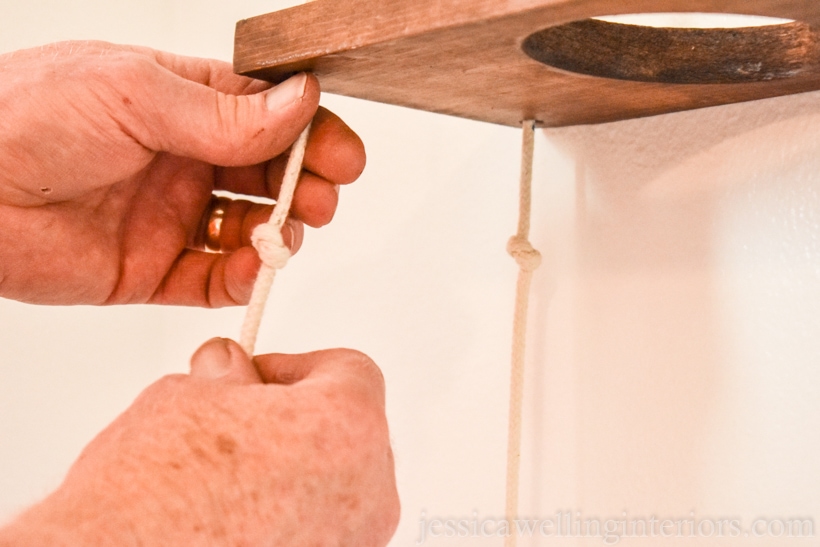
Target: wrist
121,508
60,522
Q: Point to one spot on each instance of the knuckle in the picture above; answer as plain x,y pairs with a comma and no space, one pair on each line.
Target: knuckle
236,116
241,129
362,366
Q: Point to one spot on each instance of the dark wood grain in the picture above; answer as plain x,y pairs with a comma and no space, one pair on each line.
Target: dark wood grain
678,56
466,57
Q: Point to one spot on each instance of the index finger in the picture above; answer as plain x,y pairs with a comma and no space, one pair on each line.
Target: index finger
348,369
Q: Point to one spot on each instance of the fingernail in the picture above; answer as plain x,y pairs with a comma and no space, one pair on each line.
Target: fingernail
292,234
286,93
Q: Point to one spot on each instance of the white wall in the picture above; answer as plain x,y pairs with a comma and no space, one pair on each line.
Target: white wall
675,370
674,330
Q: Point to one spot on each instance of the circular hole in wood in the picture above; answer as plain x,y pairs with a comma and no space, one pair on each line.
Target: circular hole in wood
730,49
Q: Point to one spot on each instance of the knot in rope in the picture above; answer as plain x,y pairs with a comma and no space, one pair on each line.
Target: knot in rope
525,255
267,239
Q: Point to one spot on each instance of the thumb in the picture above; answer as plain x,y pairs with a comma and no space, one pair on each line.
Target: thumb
192,120
224,360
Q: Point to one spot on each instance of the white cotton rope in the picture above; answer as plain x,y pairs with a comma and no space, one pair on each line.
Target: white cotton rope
528,260
267,239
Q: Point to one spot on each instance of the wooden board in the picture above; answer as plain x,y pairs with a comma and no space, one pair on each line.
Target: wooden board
503,61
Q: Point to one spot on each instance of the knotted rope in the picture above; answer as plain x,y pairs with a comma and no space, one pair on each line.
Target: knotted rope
267,239
528,260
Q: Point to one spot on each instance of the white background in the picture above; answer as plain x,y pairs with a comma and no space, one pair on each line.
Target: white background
674,330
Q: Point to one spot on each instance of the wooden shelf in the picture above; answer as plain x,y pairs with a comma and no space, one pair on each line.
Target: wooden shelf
467,57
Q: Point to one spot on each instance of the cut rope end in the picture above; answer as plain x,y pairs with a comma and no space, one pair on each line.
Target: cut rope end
527,257
268,242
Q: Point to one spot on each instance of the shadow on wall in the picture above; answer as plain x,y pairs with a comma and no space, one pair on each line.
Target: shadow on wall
657,359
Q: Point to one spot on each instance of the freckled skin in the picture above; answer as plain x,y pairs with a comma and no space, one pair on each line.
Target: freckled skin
198,462
225,444
109,158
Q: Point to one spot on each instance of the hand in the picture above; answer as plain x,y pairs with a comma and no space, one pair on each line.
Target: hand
293,451
108,159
